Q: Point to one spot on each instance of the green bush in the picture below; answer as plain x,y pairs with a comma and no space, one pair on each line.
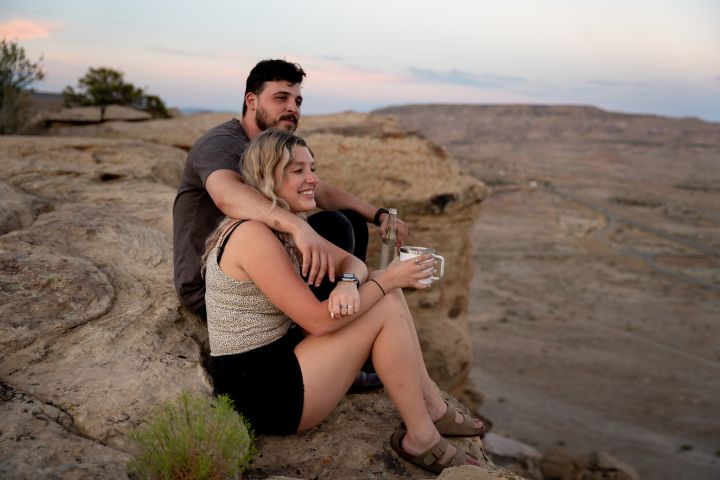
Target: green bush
155,106
104,86
17,74
196,437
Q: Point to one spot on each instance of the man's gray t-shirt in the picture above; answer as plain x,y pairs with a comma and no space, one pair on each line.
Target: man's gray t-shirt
195,215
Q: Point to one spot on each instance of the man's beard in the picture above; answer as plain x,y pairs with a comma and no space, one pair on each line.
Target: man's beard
263,121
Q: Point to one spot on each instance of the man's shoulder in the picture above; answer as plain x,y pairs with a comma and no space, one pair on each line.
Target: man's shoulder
231,127
230,132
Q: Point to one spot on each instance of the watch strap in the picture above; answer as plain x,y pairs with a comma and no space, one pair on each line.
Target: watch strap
378,214
350,277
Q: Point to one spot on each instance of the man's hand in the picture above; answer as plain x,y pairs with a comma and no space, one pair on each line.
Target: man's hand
315,251
402,229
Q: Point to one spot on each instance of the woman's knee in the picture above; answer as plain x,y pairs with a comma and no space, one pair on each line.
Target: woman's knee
390,305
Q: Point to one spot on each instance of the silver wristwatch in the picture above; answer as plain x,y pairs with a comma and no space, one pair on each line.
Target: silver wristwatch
350,277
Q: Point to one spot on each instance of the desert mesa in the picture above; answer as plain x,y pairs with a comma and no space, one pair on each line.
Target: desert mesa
595,299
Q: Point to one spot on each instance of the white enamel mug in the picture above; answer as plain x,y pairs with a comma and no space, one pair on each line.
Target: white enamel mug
407,252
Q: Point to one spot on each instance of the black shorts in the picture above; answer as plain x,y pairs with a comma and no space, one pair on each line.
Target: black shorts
266,384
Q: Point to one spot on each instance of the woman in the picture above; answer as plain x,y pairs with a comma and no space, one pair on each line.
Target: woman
286,358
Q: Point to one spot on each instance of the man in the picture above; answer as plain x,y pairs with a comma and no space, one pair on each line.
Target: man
211,187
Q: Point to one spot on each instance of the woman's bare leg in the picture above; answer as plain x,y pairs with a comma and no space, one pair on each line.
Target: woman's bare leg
329,365
434,402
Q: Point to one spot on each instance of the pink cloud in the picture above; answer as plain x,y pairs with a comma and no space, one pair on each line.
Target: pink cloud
19,29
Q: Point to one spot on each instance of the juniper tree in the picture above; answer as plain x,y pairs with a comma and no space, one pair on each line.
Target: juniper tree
17,74
104,86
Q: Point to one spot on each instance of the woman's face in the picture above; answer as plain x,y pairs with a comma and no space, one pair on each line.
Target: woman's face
298,186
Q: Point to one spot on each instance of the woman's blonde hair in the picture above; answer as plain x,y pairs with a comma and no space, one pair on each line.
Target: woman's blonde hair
268,151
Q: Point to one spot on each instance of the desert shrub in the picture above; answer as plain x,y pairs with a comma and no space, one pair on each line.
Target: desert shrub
497,181
155,106
104,86
195,437
17,74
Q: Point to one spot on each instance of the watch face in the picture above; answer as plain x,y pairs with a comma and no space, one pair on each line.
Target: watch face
348,276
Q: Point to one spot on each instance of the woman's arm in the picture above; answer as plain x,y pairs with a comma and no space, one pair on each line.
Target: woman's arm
255,253
238,200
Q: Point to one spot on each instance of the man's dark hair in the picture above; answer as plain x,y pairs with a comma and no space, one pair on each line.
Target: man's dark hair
271,71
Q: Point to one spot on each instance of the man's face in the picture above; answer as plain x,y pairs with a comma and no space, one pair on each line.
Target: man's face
278,106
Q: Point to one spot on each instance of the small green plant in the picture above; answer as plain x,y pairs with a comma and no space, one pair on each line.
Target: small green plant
497,182
195,437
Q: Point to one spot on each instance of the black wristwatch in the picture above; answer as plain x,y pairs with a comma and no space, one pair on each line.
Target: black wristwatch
350,277
378,214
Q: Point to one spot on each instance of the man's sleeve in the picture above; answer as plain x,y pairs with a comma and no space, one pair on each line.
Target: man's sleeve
216,154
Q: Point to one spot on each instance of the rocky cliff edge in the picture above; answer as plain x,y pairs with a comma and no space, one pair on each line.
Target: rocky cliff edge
93,336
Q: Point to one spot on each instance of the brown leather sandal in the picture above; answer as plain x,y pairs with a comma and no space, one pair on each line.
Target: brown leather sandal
447,425
430,459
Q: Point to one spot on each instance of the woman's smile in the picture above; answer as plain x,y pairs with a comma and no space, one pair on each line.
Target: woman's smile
296,182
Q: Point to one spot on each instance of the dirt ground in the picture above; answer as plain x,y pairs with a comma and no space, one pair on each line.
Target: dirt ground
578,345
595,304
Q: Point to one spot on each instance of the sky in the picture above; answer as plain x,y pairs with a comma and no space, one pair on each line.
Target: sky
636,56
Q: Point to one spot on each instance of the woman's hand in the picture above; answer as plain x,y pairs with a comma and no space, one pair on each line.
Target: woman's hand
344,300
408,273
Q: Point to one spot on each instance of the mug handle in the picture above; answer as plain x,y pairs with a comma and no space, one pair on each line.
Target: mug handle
442,266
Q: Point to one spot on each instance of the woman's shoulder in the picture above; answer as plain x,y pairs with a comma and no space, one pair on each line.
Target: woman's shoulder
249,242
252,227
252,230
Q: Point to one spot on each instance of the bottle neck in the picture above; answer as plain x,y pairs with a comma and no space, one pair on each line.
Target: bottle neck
392,223
392,218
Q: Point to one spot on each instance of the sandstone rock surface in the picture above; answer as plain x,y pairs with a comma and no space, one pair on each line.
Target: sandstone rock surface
92,334
331,450
128,114
75,115
178,132
91,329
94,114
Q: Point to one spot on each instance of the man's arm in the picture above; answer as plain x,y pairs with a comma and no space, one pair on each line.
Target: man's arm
237,200
332,198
